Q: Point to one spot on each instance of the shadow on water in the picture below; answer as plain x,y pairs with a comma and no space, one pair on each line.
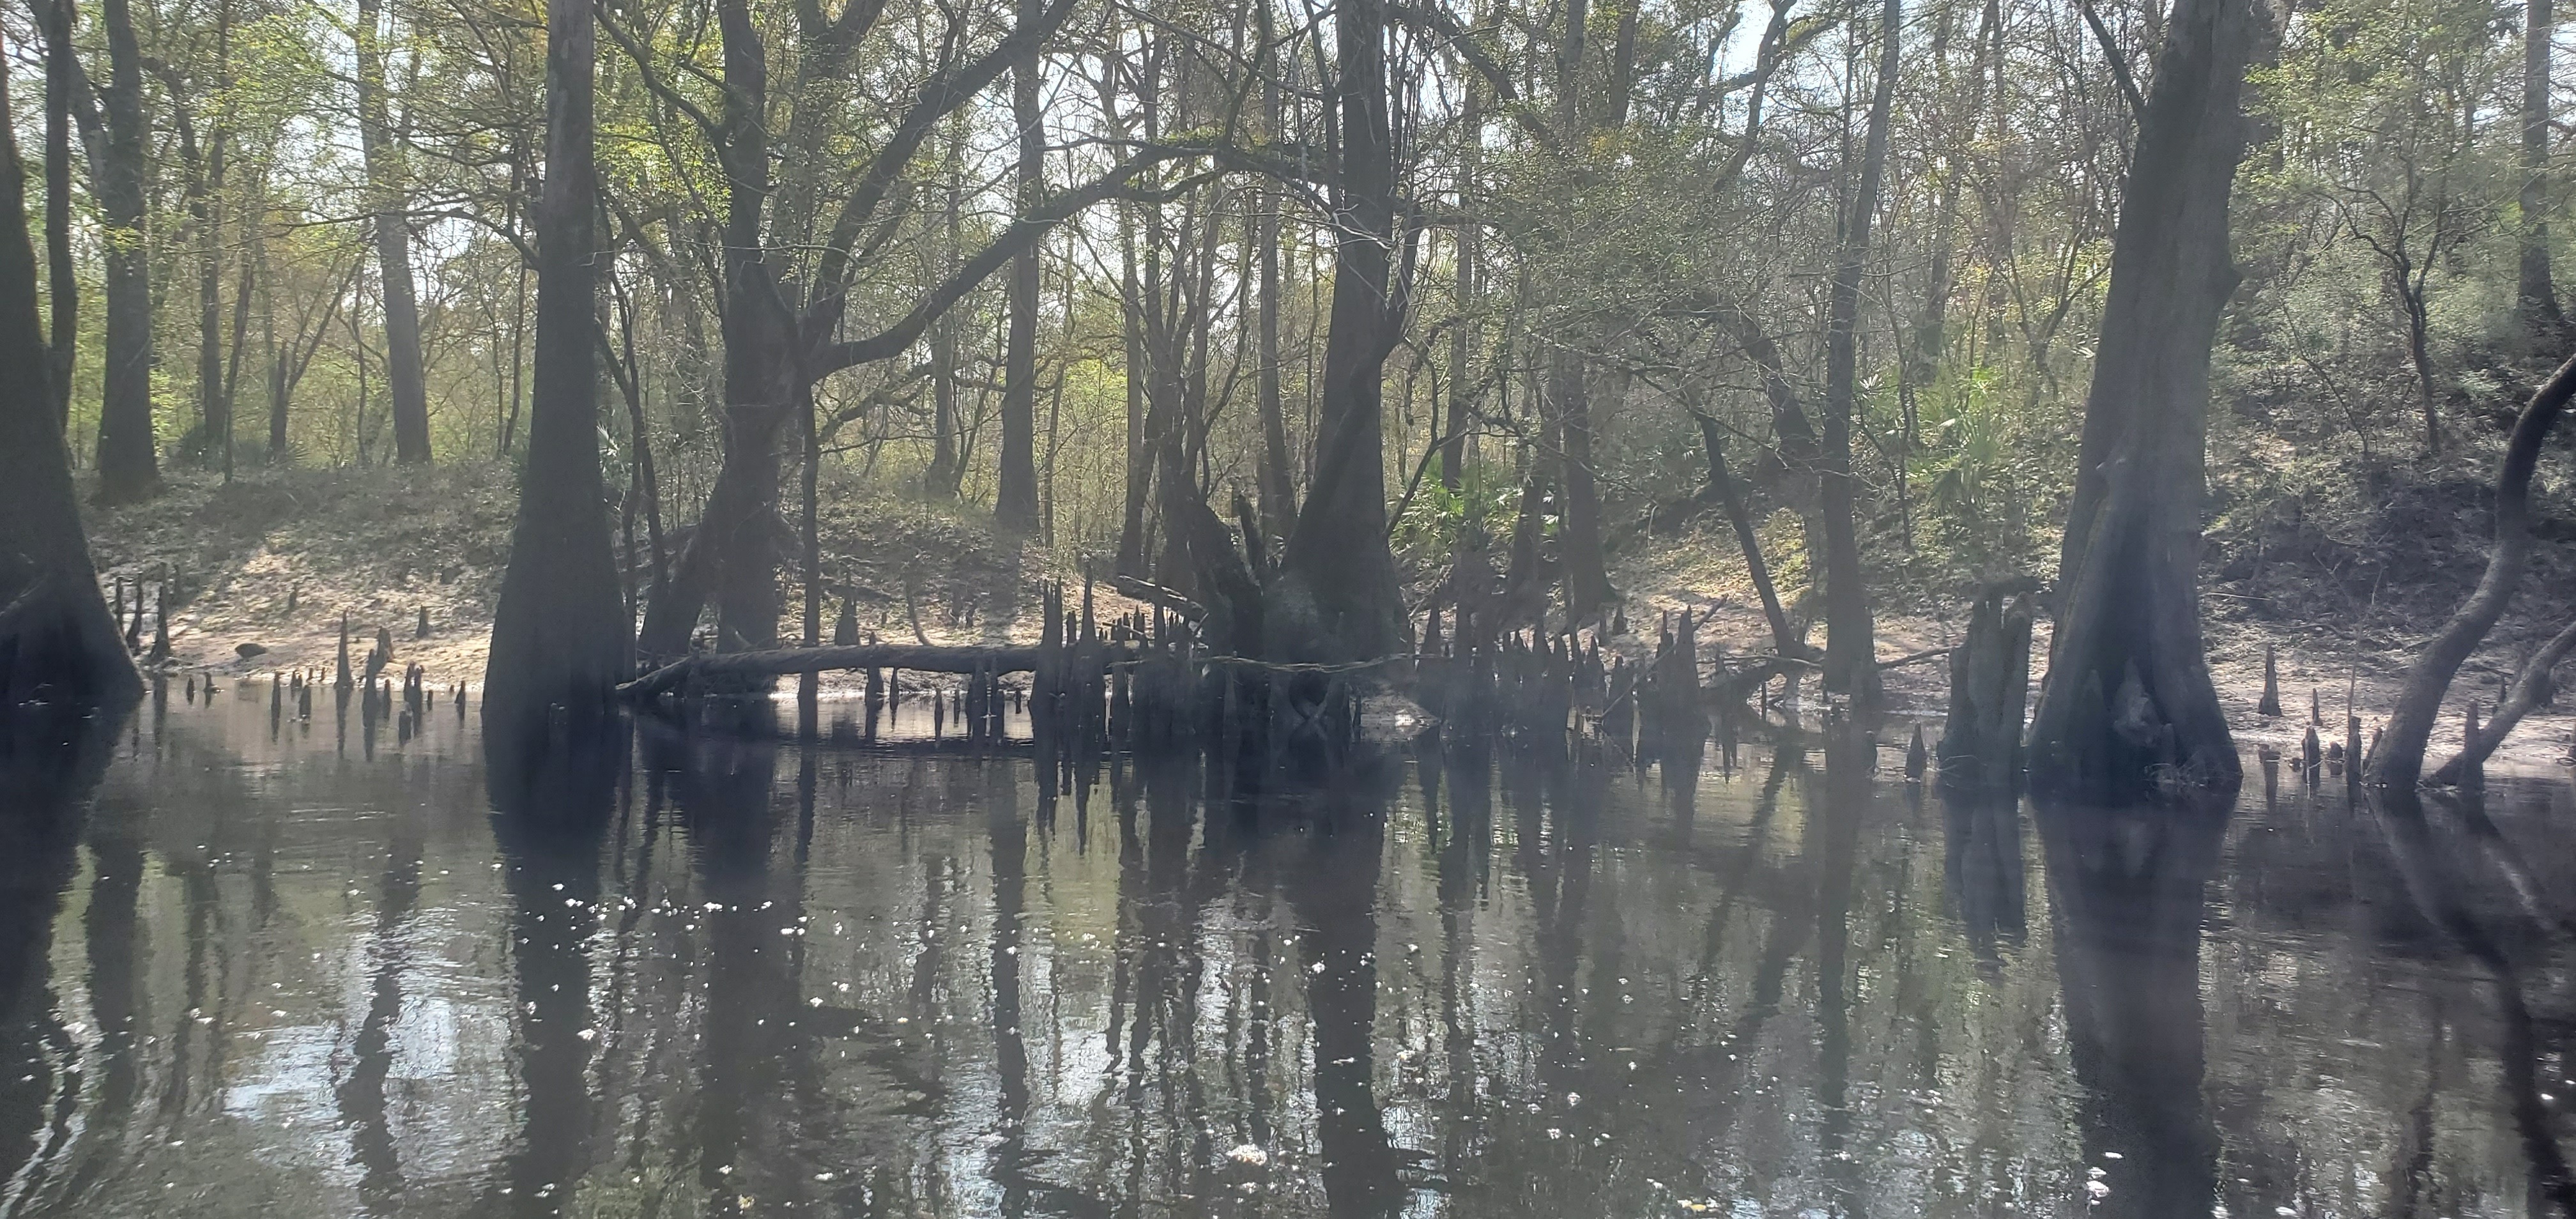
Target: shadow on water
757,967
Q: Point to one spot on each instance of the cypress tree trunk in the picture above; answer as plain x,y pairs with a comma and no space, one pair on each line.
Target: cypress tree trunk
2128,705
393,245
57,642
733,556
558,632
1278,488
1587,575
1568,391
129,465
1851,646
1989,684
732,559
1340,577
1015,506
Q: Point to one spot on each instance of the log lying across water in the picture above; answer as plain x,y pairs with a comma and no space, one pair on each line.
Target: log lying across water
782,661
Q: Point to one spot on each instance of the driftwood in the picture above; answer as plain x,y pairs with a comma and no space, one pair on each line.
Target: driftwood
1155,594
1735,683
2532,689
780,662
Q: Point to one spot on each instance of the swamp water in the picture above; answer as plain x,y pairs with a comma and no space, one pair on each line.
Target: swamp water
270,969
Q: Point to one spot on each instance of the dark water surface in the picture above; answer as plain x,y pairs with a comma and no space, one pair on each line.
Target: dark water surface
311,971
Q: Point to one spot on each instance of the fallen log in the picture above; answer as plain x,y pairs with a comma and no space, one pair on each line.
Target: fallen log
1155,594
781,662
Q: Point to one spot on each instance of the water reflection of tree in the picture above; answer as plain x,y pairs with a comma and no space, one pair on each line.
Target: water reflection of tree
1155,1003
1331,887
1008,835
50,765
1834,828
112,933
1466,845
361,1093
1982,867
1785,955
723,789
2127,895
550,815
2489,936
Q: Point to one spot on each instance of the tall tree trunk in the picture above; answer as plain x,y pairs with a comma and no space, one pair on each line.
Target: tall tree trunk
389,194
62,76
277,380
558,633
1337,563
2536,298
129,463
733,557
1579,547
1278,488
1015,505
947,464
2419,355
1931,329
214,384
1462,334
56,640
1139,466
205,211
1569,392
243,287
2128,705
1851,647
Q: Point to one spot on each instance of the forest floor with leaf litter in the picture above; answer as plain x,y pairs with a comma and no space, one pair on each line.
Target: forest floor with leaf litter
381,546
